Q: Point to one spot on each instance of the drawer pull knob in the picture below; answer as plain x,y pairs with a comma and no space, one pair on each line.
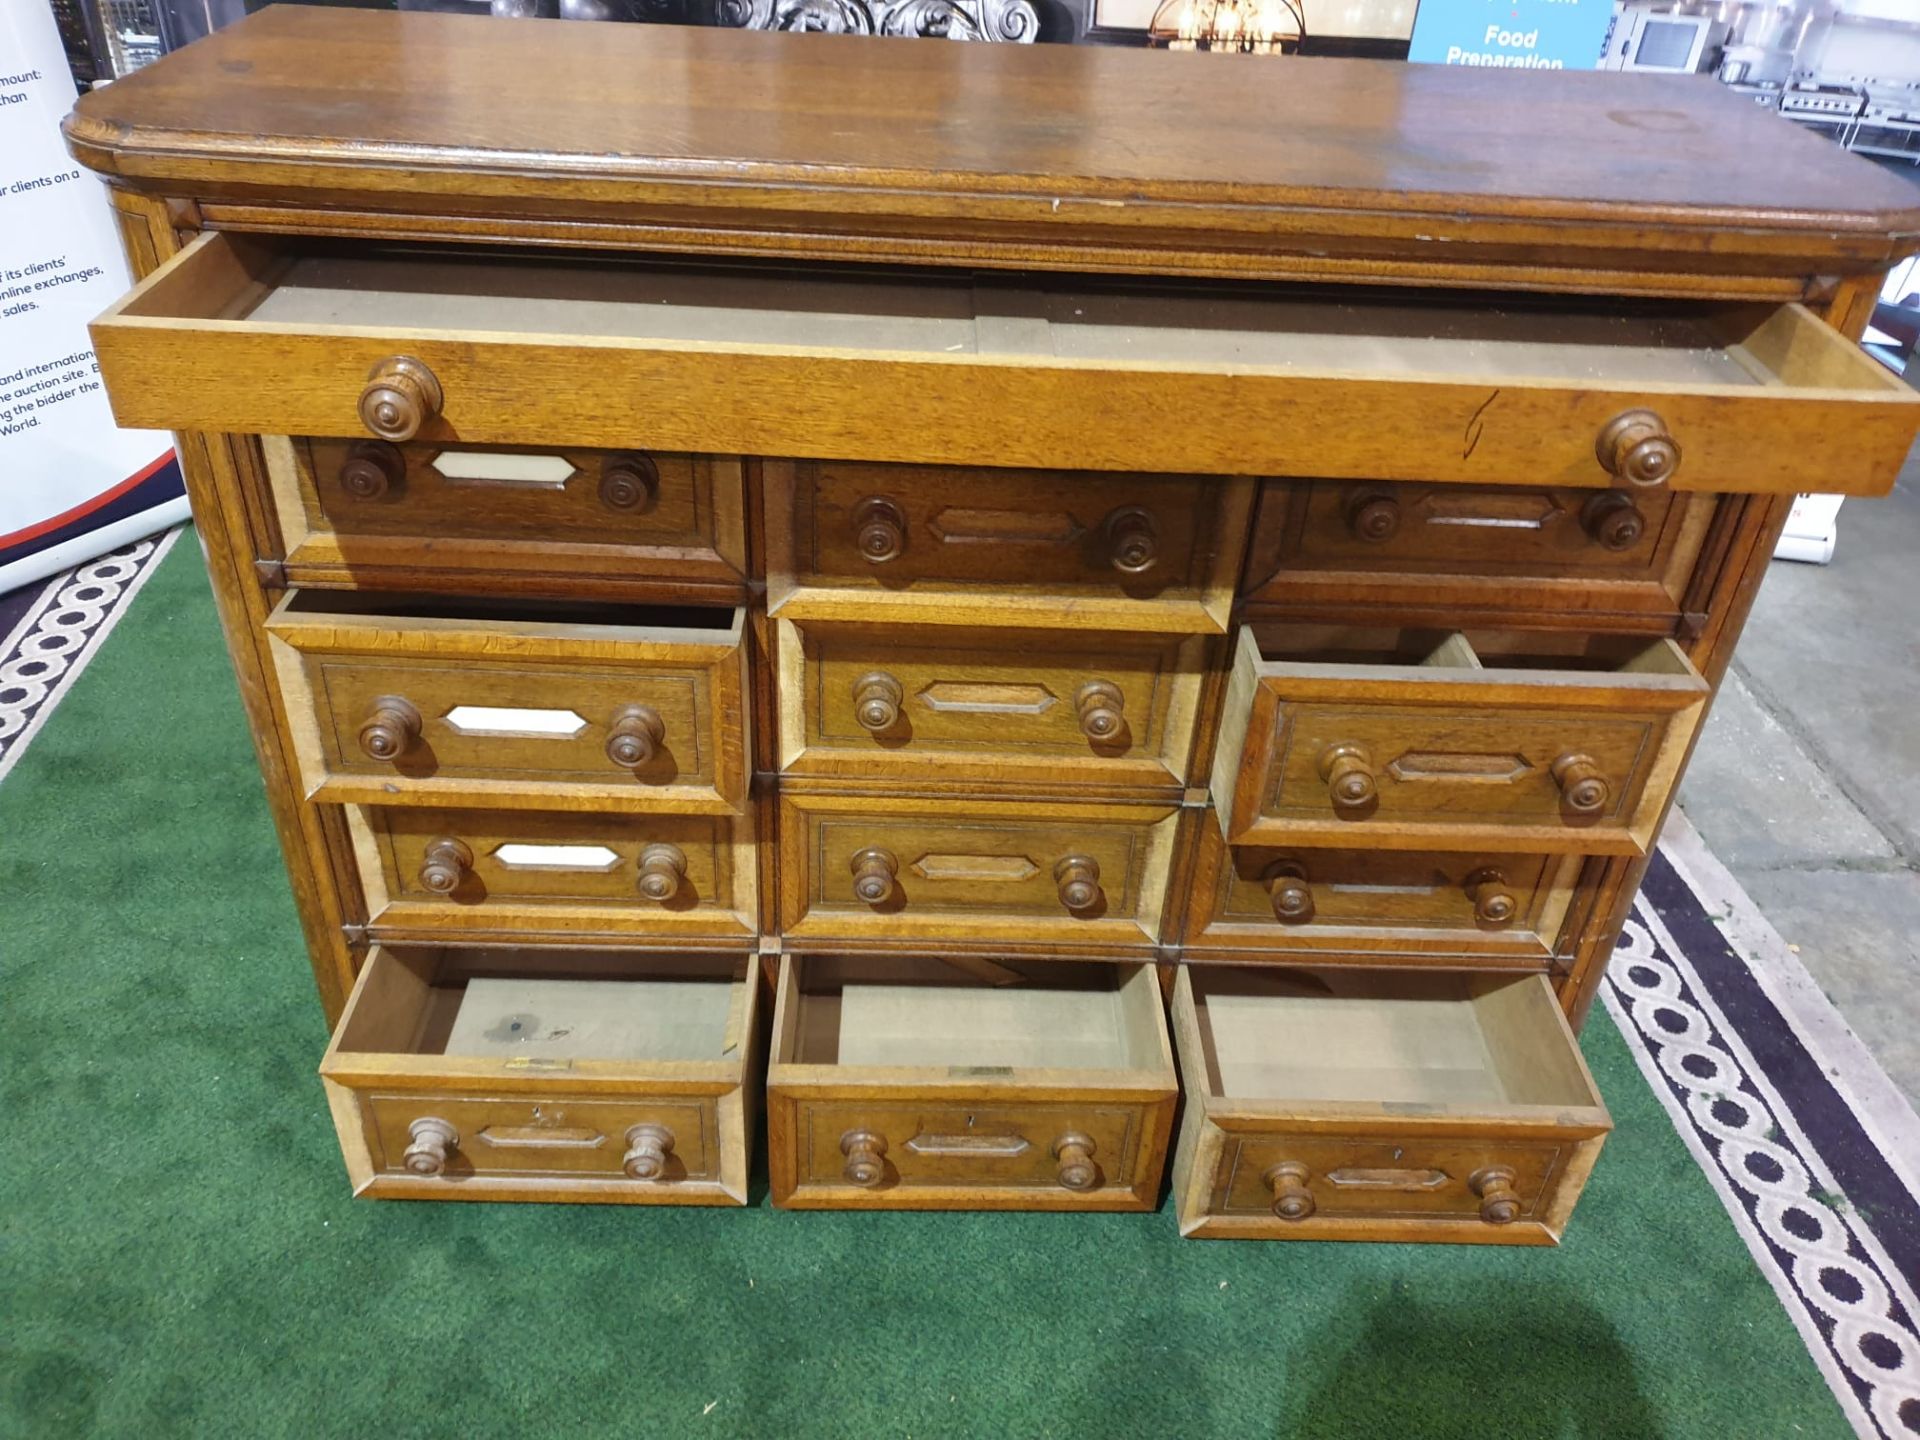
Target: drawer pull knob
866,1155
634,737
1348,771
876,701
1637,448
1582,784
1078,877
1499,1202
400,396
446,865
1102,709
1613,520
879,529
1287,1182
1076,1169
648,1147
1134,544
1374,515
432,1138
1493,902
1287,888
373,470
873,872
629,482
662,869
391,729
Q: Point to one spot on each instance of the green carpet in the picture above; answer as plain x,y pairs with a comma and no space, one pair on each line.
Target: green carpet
179,1254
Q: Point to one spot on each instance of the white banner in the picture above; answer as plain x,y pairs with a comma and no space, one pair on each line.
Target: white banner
72,484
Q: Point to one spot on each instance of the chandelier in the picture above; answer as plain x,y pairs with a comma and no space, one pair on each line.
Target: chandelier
1247,27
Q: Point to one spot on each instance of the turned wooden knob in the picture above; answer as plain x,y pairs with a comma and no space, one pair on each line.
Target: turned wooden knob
629,481
446,864
1101,708
1493,902
648,1147
866,1155
879,529
873,872
1076,1170
1637,448
634,736
1613,520
1132,543
372,470
1374,515
391,729
1499,1202
401,395
1287,888
432,1139
1583,786
662,869
1348,771
1287,1182
876,701
1078,877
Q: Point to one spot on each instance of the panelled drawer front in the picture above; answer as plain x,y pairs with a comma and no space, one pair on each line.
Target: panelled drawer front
932,1146
1416,757
1380,1177
1611,558
951,545
990,707
432,870
868,868
565,1136
404,710
1379,906
378,514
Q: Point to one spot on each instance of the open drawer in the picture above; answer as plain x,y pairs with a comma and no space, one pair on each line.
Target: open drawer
1369,1106
1453,753
304,336
482,1074
447,702
967,1085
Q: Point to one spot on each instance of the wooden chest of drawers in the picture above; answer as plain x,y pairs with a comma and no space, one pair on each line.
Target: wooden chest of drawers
1066,620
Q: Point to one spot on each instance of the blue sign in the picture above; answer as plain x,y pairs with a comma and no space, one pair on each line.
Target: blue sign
1512,34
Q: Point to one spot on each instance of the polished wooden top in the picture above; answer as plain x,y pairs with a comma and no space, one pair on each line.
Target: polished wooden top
1114,147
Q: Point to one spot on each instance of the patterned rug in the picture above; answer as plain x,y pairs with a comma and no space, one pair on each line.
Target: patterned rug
1813,1153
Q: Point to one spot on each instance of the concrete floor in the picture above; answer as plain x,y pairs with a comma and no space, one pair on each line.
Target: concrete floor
1806,781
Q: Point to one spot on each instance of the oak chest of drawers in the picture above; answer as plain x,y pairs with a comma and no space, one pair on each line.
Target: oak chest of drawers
917,594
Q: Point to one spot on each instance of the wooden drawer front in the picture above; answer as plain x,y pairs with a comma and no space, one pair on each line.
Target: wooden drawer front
934,1145
1379,1105
1378,1177
975,873
289,336
1597,558
561,1136
972,546
1453,754
460,872
1400,907
371,513
501,1073
990,707
596,716
916,1084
